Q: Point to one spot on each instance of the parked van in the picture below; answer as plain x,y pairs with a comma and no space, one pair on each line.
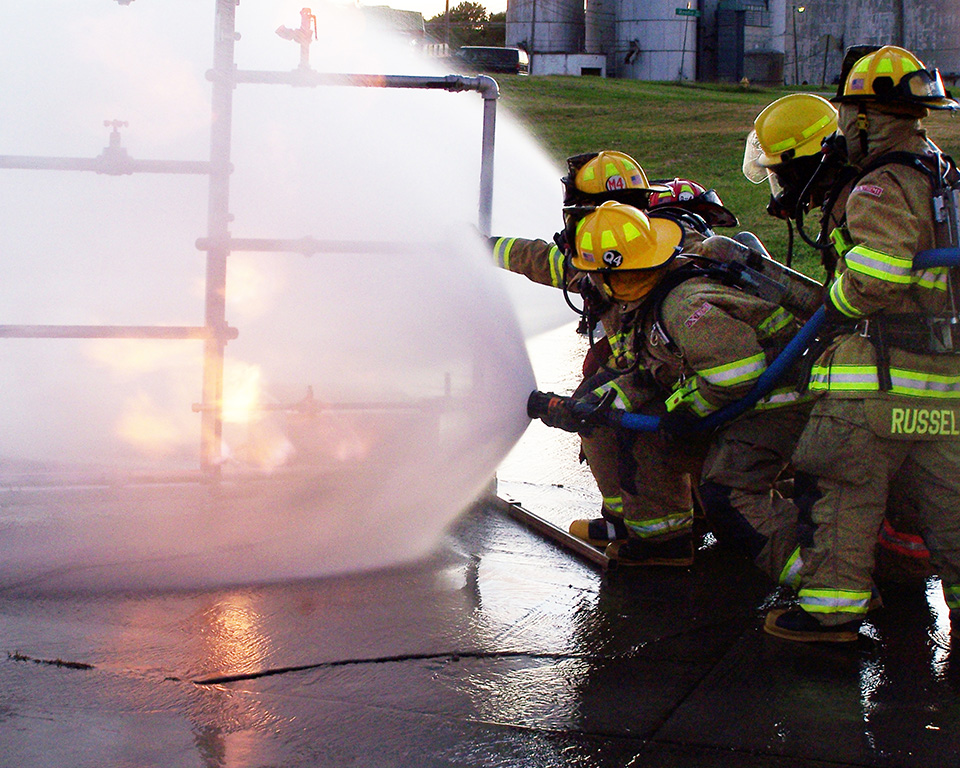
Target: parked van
483,58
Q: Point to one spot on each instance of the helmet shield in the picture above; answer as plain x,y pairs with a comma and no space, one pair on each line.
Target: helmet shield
752,152
927,86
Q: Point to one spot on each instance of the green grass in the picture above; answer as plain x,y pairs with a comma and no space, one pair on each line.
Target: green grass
695,131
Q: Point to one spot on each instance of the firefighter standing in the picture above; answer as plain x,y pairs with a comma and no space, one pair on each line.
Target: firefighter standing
795,145
890,377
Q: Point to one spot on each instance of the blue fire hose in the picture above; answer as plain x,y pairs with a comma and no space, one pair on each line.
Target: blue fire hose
768,379
936,257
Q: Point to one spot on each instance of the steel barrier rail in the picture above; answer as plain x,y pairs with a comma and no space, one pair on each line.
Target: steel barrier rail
486,86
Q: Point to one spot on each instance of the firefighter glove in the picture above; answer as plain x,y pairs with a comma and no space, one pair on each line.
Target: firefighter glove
564,413
568,413
677,423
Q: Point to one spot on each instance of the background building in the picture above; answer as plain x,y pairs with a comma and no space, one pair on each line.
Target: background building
765,41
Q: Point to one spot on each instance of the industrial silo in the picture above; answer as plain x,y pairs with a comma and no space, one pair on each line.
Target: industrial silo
545,27
656,39
600,26
816,32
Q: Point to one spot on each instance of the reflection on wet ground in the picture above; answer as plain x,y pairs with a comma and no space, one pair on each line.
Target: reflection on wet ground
501,649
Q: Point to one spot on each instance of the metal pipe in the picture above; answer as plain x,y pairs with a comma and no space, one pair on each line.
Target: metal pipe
491,92
218,220
103,165
483,84
308,246
112,332
554,533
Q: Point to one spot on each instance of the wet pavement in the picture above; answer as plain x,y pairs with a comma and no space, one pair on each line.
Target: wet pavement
500,649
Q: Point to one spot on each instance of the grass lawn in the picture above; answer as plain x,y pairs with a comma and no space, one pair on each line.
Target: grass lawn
688,130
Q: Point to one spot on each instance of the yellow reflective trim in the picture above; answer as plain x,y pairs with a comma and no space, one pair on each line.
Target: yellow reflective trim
502,250
840,301
555,260
841,242
779,398
878,264
621,400
659,526
863,378
608,239
777,321
934,279
834,600
823,122
885,67
586,242
736,372
588,173
630,232
806,133
790,575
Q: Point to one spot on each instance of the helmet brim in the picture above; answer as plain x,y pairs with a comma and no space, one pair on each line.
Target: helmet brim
669,239
715,215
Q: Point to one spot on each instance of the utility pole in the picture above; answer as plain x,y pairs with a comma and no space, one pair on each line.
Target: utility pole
795,9
533,36
446,29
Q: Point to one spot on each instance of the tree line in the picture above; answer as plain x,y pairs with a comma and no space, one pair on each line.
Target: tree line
469,24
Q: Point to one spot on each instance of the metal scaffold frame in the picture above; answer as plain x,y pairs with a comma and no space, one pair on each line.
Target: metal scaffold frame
218,244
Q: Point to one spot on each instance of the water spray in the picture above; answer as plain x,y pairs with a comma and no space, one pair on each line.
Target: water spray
394,448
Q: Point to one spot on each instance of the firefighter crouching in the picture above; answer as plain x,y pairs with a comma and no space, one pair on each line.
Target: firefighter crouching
592,179
700,343
889,375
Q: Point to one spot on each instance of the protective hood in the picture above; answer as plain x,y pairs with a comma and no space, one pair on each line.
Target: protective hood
885,131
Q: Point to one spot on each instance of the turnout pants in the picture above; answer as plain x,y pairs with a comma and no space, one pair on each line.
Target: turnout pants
849,472
736,466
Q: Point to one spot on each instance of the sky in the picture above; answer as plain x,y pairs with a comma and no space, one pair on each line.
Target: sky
431,8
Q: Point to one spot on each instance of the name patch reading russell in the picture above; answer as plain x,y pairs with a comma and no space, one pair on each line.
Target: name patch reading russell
923,421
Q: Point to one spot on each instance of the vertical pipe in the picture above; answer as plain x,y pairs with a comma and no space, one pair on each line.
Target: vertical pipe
533,37
491,92
218,219
826,50
796,58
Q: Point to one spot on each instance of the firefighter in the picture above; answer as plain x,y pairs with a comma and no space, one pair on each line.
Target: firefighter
591,180
888,373
701,343
687,196
795,144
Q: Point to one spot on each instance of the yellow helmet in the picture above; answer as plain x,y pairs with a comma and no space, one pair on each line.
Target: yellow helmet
596,177
894,75
793,126
617,237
